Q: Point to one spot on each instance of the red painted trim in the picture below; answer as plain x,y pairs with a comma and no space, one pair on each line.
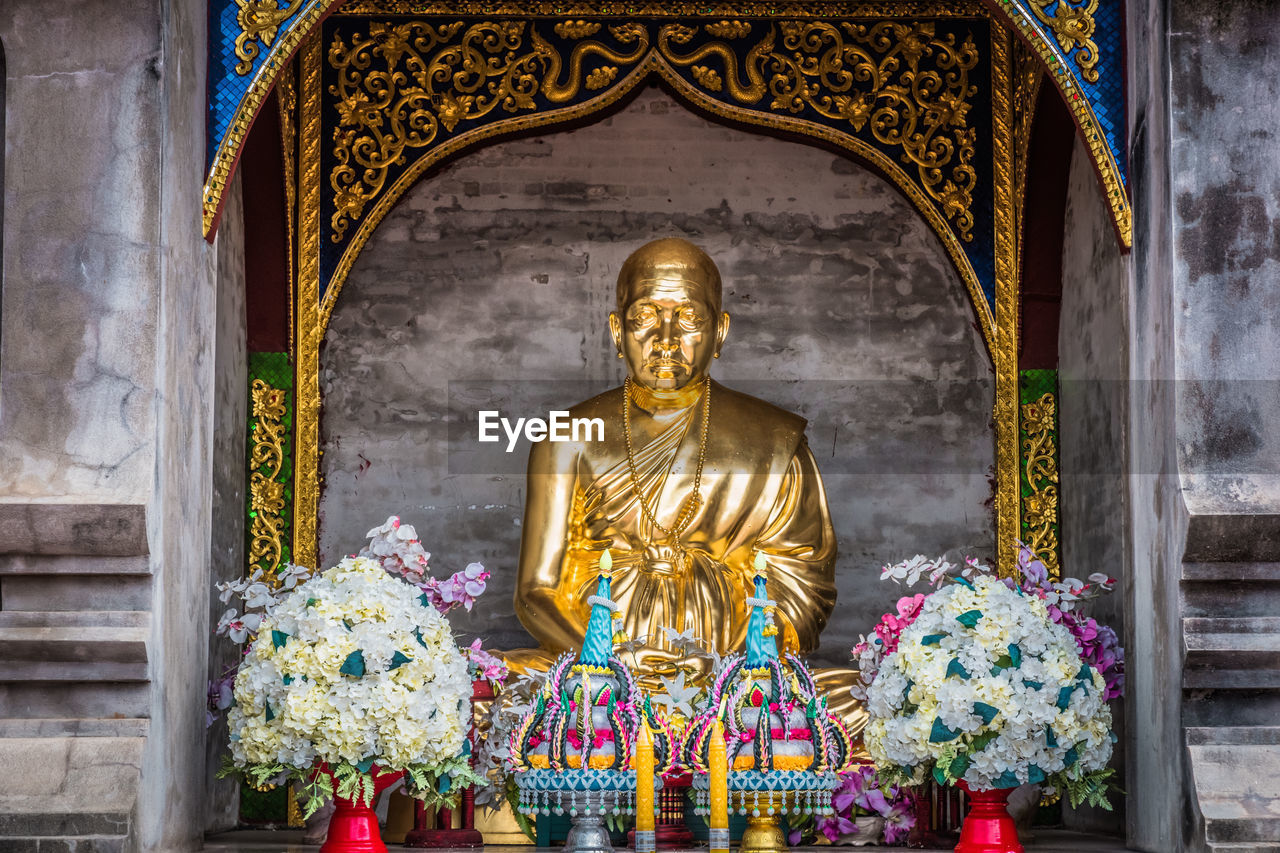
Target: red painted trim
1053,135
266,236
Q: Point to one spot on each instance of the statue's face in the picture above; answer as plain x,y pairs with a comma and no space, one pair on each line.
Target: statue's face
668,332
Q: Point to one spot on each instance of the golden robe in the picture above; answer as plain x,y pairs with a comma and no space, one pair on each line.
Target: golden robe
761,490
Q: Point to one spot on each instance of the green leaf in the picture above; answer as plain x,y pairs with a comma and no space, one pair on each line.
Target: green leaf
963,581
939,775
1035,775
271,715
981,741
932,639
279,638
286,680
365,766
424,601
417,635
985,711
969,619
940,733
1050,739
353,665
1064,698
957,669
958,766
1034,685
398,660
1015,654
311,602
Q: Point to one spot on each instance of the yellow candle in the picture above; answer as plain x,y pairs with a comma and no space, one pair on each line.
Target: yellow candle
718,770
606,562
643,763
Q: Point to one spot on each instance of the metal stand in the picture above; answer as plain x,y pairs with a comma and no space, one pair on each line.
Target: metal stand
588,835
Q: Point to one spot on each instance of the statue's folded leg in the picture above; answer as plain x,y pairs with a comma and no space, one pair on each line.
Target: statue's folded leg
834,684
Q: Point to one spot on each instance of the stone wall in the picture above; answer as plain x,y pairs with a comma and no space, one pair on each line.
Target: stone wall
1157,804
1226,243
106,373
1093,365
81,202
490,283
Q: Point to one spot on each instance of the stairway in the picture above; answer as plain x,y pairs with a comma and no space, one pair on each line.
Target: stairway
1231,700
75,593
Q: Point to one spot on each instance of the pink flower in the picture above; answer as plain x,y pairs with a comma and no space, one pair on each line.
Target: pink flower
484,664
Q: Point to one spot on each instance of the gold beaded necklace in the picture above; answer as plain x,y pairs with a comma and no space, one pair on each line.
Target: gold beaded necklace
690,505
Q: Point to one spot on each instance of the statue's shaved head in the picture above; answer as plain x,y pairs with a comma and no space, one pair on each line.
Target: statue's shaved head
669,260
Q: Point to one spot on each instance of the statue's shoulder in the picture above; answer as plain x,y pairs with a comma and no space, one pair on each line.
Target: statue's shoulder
752,415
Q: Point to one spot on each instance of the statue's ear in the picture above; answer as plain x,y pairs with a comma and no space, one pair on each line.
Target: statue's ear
722,331
615,329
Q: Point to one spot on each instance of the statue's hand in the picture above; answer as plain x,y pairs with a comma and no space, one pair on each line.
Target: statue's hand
666,663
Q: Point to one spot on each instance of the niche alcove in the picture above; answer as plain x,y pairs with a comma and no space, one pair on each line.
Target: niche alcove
488,286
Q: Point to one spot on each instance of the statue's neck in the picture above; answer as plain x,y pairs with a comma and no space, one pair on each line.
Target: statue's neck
654,400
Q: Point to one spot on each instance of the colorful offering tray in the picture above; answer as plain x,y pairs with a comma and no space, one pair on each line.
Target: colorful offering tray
576,752
783,748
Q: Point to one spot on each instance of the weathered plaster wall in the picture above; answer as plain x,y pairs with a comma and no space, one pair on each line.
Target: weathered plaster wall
81,200
1226,243
501,267
1157,805
1093,364
227,548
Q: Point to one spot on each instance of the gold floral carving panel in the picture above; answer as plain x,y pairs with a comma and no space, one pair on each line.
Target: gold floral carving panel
266,491
866,75
900,93
1040,481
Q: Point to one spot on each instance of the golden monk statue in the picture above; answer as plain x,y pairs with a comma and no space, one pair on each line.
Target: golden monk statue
690,480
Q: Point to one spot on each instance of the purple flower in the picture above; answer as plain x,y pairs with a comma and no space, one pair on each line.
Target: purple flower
834,827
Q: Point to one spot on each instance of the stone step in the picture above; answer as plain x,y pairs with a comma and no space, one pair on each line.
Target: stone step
92,592
1233,735
1232,653
1227,597
74,618
64,699
1231,572
69,786
118,530
1236,790
72,644
75,727
73,564
66,844
35,671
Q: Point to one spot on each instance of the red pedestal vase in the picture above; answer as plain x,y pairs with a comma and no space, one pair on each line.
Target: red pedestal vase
988,828
354,826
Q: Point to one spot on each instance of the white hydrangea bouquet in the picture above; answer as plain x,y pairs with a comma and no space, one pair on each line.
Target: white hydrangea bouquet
349,676
986,690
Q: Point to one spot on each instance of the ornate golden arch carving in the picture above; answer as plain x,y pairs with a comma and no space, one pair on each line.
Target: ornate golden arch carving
998,322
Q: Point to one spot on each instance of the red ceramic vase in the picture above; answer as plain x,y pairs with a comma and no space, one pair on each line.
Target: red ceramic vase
354,826
988,828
